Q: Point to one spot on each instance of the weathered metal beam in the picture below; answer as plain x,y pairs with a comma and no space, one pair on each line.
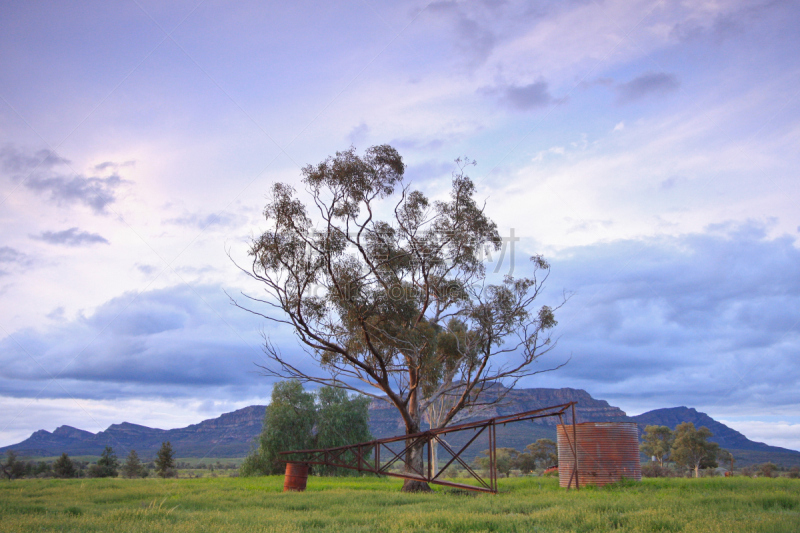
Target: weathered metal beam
353,457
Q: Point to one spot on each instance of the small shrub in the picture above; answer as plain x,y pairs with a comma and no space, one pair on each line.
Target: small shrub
749,471
768,470
708,472
654,469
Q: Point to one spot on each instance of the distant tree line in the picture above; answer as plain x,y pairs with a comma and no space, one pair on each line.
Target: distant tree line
687,447
64,467
691,451
542,454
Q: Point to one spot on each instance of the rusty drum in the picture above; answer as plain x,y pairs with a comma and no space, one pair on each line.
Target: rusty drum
606,453
296,477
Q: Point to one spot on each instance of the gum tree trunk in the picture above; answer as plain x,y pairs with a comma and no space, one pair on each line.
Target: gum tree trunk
415,460
415,464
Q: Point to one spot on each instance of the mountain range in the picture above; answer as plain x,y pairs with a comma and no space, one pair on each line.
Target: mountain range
232,434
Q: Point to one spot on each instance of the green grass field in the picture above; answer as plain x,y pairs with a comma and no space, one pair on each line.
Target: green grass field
370,504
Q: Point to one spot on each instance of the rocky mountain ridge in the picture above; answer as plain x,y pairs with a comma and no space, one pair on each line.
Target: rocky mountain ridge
228,435
386,422
232,434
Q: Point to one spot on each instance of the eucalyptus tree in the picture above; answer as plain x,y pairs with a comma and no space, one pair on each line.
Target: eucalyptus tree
657,442
385,287
692,449
288,423
342,419
298,420
544,452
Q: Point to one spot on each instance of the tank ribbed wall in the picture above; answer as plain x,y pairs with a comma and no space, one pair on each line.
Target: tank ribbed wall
607,452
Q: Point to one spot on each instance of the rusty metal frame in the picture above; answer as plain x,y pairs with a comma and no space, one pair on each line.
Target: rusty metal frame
357,456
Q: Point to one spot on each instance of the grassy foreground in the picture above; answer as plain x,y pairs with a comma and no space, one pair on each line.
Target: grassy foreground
370,504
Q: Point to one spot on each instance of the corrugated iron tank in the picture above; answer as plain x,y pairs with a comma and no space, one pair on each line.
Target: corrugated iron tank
607,452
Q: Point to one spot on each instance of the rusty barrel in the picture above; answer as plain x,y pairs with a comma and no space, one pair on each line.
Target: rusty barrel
296,477
606,452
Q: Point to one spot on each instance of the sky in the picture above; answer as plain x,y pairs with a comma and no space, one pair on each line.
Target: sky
648,149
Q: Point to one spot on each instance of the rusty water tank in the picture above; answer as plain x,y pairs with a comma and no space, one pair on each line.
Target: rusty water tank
296,477
607,452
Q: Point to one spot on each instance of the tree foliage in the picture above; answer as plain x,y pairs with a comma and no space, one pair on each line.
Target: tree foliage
726,459
12,467
165,461
403,304
298,420
341,420
63,467
657,442
544,453
526,463
107,465
133,467
768,469
505,460
288,423
692,449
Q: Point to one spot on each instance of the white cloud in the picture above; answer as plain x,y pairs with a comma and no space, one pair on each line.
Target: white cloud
776,433
207,146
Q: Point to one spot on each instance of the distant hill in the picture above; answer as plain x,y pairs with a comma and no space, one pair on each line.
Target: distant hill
723,435
232,434
228,435
743,449
386,422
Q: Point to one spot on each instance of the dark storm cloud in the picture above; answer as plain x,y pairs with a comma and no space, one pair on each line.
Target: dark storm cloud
105,165
358,134
207,220
528,96
474,40
56,314
737,23
706,319
171,342
14,161
36,171
10,257
70,237
685,319
588,84
522,97
96,193
147,270
649,84
429,171
417,144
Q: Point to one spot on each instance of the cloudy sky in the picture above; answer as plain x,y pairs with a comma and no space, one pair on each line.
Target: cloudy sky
649,149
